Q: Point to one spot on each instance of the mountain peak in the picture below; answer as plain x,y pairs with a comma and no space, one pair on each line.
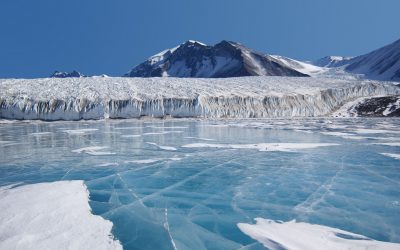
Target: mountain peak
194,41
74,73
225,43
225,59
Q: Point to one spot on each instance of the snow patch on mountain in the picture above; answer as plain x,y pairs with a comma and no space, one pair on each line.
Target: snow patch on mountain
332,61
303,67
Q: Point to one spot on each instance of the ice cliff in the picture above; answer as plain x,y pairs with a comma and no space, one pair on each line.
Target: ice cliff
243,97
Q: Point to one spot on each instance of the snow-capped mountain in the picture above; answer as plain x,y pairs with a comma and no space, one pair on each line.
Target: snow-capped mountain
380,64
332,61
58,74
225,59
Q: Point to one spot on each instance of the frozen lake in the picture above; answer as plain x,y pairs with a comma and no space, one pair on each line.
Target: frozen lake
186,184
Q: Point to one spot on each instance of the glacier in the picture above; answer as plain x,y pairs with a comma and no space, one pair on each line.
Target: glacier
242,97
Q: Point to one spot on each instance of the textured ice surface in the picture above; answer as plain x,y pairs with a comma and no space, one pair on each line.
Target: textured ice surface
243,97
51,216
194,197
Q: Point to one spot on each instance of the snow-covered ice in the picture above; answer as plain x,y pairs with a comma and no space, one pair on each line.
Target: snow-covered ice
395,156
393,144
294,235
93,150
262,146
52,215
162,147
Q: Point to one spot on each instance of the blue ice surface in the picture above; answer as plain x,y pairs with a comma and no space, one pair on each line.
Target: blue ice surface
192,198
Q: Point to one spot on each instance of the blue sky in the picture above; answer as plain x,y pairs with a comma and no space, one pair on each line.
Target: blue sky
111,36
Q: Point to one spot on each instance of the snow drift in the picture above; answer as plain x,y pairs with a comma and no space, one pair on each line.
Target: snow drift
300,235
52,215
242,97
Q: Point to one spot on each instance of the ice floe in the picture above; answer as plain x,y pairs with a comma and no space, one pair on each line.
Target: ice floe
375,131
149,161
130,136
80,131
163,133
52,216
94,150
395,156
344,135
199,138
262,146
294,235
392,144
108,164
169,148
41,133
144,161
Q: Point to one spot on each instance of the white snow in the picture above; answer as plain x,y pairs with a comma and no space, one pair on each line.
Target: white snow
194,41
163,133
391,107
130,136
159,57
94,150
145,161
294,235
167,127
148,161
392,144
107,164
169,148
348,109
344,135
395,156
262,146
41,133
375,131
301,67
242,97
199,138
79,131
52,216
332,61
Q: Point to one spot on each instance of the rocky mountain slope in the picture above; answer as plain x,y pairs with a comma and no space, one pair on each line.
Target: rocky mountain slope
225,59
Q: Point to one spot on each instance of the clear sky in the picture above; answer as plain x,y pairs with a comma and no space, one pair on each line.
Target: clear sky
111,36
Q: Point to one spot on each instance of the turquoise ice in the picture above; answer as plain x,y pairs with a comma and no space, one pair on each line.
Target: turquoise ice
186,184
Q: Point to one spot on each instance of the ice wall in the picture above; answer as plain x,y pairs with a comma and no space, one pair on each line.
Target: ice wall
245,97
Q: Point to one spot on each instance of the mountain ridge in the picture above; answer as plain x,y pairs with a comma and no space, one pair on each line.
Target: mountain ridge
224,59
380,64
